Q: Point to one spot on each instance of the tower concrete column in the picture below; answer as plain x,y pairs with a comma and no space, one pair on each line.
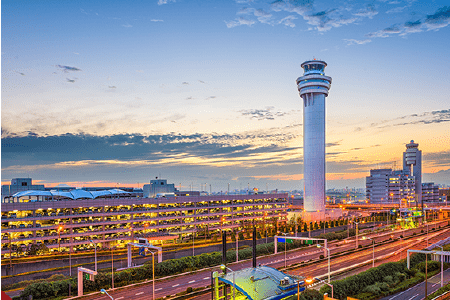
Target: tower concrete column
313,87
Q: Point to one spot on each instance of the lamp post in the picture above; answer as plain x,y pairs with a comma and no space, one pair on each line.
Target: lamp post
223,267
60,228
285,242
442,266
328,252
356,234
153,275
95,249
373,249
112,267
193,241
10,259
237,246
105,292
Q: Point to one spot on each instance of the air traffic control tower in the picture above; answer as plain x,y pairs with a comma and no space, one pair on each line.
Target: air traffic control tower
313,87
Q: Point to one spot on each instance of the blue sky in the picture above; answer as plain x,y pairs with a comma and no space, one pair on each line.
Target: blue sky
97,92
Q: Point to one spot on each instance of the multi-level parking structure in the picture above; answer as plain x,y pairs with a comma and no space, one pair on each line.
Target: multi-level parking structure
67,224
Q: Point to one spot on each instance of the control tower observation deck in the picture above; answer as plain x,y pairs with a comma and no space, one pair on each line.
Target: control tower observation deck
313,87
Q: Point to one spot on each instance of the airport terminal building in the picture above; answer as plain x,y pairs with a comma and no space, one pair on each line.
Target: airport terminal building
70,219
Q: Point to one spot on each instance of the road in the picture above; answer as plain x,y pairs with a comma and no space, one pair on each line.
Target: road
176,284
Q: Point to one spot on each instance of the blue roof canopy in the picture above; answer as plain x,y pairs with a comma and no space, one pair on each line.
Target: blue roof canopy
73,194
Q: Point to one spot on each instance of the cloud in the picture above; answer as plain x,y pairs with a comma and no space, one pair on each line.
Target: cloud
368,12
357,42
210,97
70,80
432,117
287,21
156,20
111,86
262,114
39,152
436,21
127,25
68,68
184,82
240,21
161,2
201,81
440,19
396,9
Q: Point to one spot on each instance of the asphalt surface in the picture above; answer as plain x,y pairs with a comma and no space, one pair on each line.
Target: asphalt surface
176,284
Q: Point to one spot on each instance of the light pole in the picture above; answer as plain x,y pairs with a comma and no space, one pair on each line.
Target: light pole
105,292
95,249
328,252
223,267
356,234
60,228
285,242
193,241
10,259
373,249
112,267
442,266
153,275
237,246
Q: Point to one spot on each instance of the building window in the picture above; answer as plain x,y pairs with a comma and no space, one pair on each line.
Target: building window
24,184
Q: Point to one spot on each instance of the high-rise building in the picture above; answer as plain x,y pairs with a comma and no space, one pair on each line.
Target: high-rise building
393,187
430,192
313,87
412,163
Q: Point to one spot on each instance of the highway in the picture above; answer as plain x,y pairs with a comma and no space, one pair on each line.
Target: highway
176,284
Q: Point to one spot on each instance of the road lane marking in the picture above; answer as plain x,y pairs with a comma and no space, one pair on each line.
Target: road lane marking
158,289
176,285
435,284
206,278
191,281
137,294
119,298
413,296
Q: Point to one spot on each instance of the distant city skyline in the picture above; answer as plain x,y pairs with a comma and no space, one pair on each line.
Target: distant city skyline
96,93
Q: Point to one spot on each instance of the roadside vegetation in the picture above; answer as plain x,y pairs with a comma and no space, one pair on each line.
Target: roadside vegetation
384,280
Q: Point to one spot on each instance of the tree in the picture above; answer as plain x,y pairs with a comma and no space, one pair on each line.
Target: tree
305,227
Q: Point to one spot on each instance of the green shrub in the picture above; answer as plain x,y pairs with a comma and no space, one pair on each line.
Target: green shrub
321,256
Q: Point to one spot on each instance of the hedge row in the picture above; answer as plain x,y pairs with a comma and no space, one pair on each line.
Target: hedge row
384,279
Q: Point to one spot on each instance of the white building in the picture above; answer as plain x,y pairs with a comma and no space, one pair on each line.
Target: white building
313,87
412,163
390,187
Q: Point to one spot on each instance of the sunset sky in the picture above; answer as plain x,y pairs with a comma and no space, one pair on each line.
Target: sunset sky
119,92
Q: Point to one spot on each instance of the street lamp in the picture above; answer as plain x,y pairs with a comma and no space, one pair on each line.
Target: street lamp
223,267
193,241
60,228
153,275
237,246
285,242
328,251
95,249
356,234
105,292
442,266
373,249
330,285
112,267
